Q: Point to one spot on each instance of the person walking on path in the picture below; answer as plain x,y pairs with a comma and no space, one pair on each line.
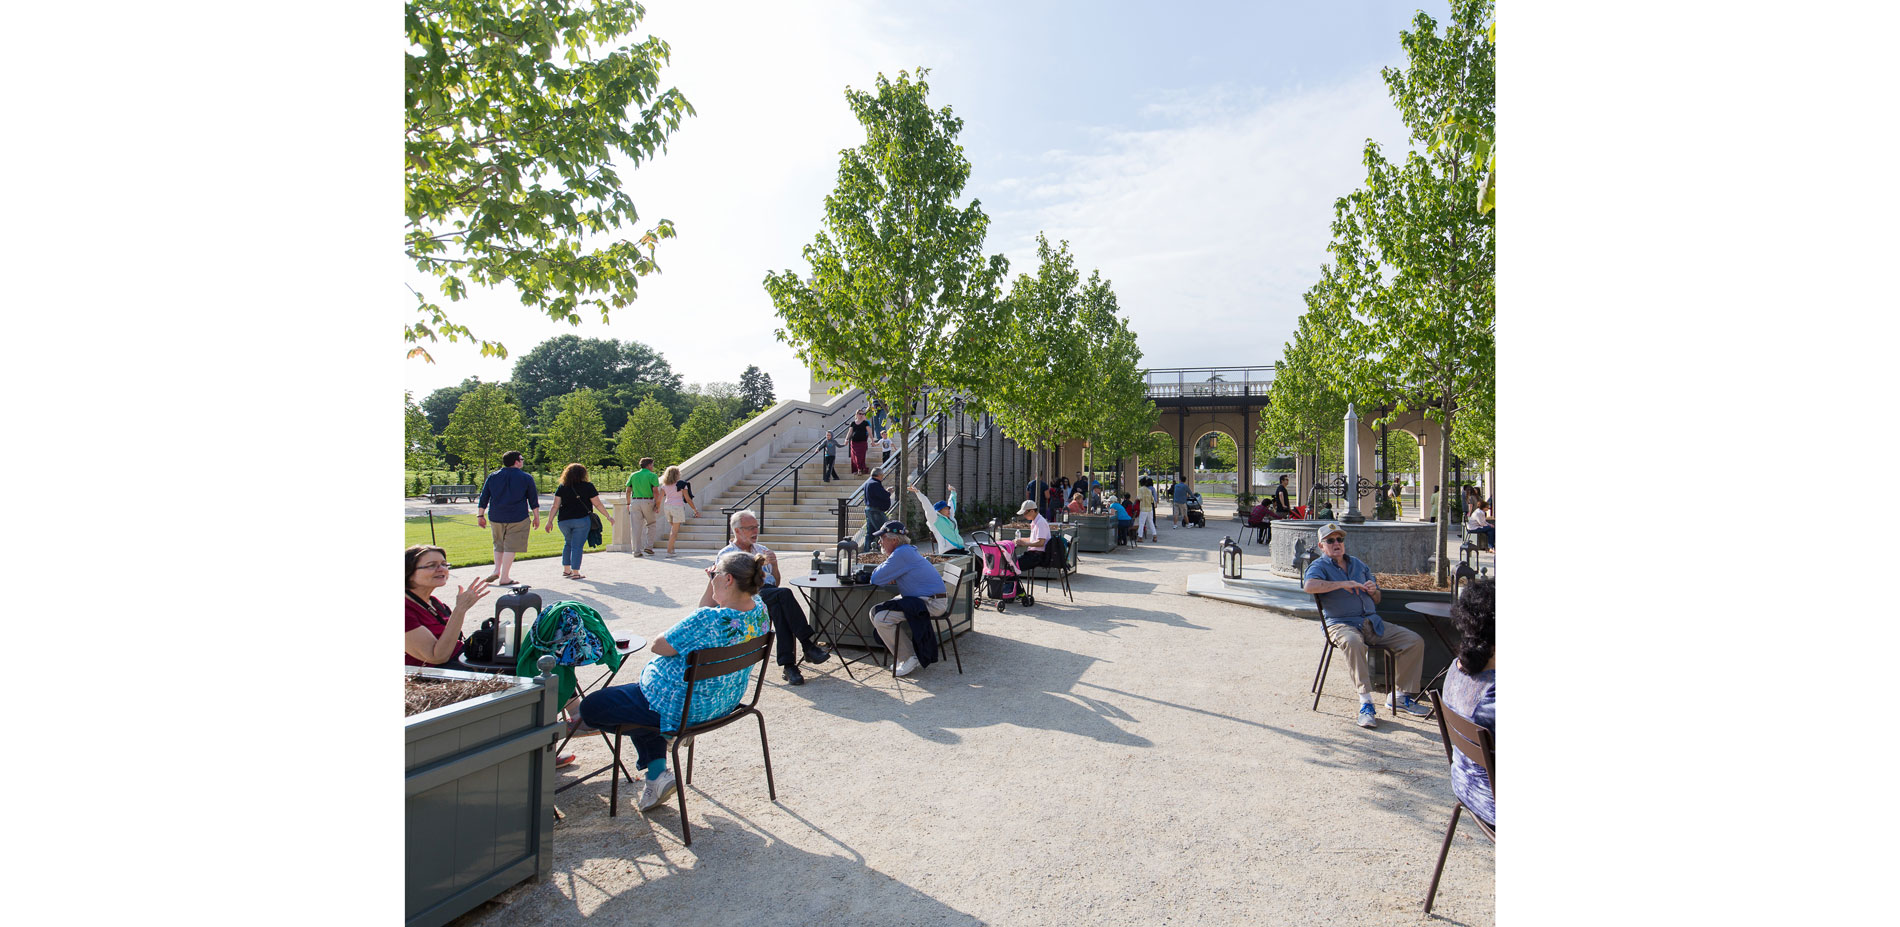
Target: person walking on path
571,500
831,457
675,497
516,504
641,485
877,501
860,441
1179,495
1349,596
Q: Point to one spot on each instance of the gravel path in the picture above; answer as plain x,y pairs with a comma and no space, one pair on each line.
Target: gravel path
1137,757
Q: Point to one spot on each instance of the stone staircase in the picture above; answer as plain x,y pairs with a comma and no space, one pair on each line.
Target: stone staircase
792,531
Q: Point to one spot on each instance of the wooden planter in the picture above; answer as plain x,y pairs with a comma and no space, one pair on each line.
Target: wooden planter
479,781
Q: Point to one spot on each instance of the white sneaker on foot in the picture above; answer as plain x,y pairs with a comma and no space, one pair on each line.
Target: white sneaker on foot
1368,716
907,667
656,792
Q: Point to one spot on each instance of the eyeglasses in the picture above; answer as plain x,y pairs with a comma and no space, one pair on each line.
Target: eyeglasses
1334,541
433,566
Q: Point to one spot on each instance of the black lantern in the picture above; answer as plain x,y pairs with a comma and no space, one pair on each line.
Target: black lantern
847,559
515,606
1229,559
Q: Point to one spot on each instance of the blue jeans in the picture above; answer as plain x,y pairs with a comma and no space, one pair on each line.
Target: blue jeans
627,705
573,538
873,520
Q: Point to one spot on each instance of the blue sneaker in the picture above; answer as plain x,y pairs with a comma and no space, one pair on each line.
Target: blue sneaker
1368,716
1409,705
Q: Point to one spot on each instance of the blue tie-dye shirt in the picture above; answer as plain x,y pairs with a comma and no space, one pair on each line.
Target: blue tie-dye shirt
663,681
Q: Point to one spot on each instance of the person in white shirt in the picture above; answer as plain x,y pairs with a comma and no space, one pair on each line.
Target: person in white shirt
1029,550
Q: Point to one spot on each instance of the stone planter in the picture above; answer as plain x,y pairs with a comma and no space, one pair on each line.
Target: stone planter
479,782
1094,534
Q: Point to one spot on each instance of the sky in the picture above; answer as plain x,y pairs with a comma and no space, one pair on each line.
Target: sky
1192,159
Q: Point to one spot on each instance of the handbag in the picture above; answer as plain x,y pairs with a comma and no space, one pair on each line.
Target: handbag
593,529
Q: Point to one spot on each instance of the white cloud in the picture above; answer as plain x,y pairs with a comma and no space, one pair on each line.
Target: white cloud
1210,228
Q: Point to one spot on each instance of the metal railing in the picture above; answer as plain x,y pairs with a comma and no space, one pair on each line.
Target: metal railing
789,471
1208,382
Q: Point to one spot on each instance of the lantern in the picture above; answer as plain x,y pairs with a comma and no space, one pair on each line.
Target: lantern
512,612
847,559
1229,559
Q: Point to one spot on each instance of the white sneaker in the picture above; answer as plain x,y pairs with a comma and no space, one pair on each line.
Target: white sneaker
657,791
1368,717
907,667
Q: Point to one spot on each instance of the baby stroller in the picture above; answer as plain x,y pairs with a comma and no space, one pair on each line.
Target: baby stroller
1196,516
1002,581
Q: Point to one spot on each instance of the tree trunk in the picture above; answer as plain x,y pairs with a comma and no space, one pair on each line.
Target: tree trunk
900,487
1444,480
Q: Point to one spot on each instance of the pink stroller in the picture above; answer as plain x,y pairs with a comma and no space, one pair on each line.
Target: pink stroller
1002,580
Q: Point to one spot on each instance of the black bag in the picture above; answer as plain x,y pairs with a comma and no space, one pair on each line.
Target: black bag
593,529
480,645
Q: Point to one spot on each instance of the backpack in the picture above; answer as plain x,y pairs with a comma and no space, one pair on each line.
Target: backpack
480,645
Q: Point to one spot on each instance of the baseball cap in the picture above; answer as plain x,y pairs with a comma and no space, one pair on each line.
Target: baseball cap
892,527
1027,506
1329,529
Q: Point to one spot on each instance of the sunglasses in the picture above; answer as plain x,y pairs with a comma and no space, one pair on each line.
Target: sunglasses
1334,541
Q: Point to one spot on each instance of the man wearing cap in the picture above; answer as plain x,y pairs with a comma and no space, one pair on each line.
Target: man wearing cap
1029,550
920,597
943,521
1348,596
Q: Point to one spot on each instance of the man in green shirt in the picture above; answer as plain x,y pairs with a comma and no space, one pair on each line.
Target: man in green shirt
641,485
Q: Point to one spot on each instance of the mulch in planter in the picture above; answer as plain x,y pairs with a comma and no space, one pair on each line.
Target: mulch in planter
1422,581
422,694
873,559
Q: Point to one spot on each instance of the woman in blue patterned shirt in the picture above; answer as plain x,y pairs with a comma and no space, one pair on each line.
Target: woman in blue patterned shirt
1471,689
737,615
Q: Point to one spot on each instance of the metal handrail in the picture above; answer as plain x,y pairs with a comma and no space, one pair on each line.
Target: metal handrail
722,454
1216,384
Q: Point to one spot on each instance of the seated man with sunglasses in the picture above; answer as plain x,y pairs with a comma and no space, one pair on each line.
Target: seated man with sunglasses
1348,596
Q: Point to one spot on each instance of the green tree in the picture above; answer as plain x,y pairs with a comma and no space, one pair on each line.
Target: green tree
440,404
566,363
649,432
515,124
1114,410
1035,316
702,428
577,434
900,295
418,446
486,424
755,389
1420,248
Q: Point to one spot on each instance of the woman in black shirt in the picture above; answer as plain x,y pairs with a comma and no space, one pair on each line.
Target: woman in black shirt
572,498
860,442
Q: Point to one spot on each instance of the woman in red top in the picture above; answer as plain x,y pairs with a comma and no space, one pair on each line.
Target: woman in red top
431,631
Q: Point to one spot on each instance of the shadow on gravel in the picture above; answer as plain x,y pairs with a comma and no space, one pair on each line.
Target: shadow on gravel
1095,618
660,880
1006,682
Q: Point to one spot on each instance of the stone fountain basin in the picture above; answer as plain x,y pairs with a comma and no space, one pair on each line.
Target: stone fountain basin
1385,546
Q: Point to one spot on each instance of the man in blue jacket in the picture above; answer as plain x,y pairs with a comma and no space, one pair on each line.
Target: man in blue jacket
920,597
515,503
877,502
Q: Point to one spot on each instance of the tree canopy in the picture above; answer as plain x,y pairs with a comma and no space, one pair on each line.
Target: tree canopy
649,432
565,363
755,388
485,425
900,295
706,425
515,113
577,434
418,446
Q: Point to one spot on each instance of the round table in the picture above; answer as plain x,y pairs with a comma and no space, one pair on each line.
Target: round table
832,605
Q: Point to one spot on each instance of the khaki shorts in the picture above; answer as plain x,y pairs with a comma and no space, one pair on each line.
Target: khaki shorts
675,513
511,538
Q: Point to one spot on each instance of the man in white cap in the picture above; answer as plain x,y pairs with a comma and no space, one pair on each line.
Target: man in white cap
1029,550
1348,596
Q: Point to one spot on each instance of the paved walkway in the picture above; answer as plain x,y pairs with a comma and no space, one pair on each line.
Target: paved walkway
1139,756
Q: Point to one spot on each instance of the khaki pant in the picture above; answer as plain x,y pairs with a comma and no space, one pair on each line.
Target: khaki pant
1407,644
887,621
643,518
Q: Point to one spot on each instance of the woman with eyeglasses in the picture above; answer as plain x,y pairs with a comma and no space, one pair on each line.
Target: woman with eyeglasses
737,615
432,631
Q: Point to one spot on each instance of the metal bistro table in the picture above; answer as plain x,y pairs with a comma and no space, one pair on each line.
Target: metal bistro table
834,608
1432,612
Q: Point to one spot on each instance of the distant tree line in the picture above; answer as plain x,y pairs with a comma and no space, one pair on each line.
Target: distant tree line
588,400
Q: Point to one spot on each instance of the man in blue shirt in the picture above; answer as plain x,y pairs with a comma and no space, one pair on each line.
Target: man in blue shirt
1179,496
877,502
1348,596
920,597
515,500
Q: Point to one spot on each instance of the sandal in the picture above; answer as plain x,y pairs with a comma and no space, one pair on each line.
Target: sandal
575,576
565,761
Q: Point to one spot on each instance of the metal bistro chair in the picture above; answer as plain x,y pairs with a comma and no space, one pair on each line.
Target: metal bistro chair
953,580
1326,652
1060,570
1478,745
709,663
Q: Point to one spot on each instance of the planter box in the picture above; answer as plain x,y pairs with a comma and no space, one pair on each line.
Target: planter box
479,782
1094,534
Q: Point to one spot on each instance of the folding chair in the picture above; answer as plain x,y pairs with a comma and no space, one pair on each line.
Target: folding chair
709,663
1326,652
1478,745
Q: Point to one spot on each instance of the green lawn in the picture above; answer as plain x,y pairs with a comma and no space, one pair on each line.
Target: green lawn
468,545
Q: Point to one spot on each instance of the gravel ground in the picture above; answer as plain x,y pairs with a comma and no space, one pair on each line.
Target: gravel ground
1137,757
